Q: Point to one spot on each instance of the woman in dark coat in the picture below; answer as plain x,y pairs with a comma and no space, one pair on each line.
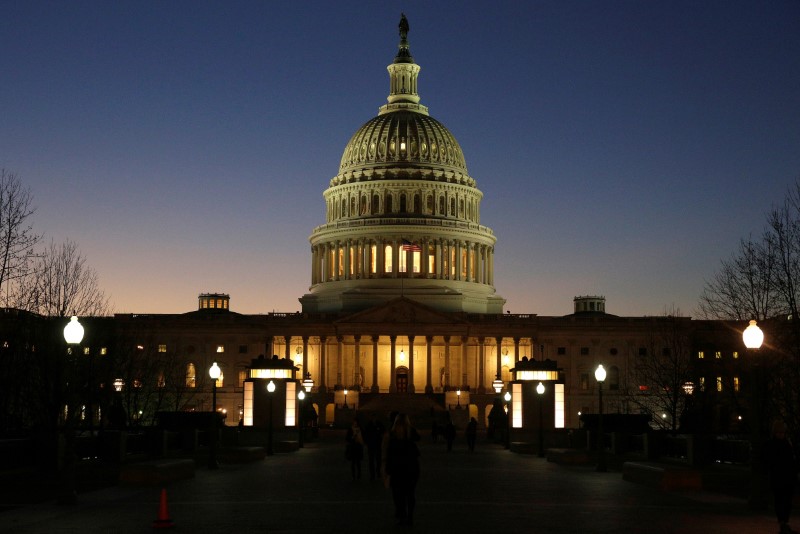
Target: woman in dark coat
402,468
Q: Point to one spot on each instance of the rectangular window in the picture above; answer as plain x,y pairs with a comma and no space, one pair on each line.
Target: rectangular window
248,404
415,257
242,349
242,377
700,355
736,383
103,351
561,351
735,355
162,348
718,355
559,390
584,351
387,259
291,403
585,381
220,348
86,351
373,259
719,383
516,405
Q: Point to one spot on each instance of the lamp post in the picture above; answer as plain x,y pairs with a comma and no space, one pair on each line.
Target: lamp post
300,396
600,376
213,372
507,398
753,338
497,384
270,390
458,399
345,398
73,335
540,391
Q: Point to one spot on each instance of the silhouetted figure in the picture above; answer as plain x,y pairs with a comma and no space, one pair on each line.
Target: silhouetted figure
782,466
471,433
402,468
354,450
373,437
449,434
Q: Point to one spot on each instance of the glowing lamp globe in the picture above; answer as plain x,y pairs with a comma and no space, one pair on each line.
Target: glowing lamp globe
540,389
600,374
73,332
752,336
214,371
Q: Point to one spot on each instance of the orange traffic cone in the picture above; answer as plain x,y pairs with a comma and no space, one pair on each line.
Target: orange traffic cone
163,520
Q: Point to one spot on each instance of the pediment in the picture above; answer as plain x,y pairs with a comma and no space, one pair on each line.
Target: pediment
401,310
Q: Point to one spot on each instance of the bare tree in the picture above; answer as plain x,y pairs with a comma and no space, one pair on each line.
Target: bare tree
62,284
660,379
17,238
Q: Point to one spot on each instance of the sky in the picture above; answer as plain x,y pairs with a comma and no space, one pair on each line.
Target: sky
624,148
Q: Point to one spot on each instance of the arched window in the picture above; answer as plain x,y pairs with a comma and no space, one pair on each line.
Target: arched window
441,206
191,375
452,207
363,210
429,204
388,208
344,208
387,259
417,204
613,378
376,204
403,205
353,210
461,208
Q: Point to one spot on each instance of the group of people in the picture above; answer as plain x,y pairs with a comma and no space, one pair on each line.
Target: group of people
393,456
449,433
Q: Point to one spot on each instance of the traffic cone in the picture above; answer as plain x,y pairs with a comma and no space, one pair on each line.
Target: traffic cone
163,520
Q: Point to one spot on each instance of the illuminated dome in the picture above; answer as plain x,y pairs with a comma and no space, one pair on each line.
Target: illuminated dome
404,140
402,215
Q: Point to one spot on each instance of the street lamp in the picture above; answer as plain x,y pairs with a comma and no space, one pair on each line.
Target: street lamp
345,398
600,376
507,398
458,398
73,335
213,372
540,391
308,382
270,390
300,396
497,384
753,338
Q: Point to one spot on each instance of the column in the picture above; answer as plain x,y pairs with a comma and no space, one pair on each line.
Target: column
392,370
438,260
287,350
323,362
464,346
429,347
411,364
336,261
458,260
375,388
446,361
305,357
395,262
516,352
339,361
498,344
481,364
357,363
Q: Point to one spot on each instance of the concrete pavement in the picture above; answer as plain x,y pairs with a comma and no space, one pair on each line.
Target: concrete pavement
308,491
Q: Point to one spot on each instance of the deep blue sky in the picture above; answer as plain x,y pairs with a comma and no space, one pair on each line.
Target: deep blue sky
623,147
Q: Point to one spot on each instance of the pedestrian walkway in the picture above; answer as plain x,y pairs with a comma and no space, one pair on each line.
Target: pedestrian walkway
311,491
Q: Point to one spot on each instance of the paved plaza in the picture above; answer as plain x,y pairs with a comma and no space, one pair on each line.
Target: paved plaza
311,490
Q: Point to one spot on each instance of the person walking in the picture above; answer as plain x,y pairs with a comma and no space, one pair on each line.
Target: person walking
471,433
402,469
782,465
373,437
449,434
354,449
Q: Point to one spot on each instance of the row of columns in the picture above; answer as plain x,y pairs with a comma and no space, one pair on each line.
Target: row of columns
351,259
460,354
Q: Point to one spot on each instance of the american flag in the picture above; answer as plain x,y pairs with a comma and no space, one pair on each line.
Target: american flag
409,246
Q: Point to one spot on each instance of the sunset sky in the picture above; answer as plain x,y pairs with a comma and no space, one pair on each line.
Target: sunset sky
623,147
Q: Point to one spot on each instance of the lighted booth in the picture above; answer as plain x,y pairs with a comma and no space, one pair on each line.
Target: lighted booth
536,403
271,398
